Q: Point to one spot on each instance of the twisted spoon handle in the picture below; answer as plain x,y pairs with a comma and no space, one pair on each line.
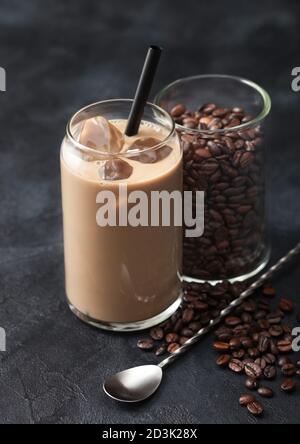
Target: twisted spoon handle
250,290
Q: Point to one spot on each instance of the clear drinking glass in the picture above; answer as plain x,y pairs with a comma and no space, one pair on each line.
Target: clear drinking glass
228,165
120,277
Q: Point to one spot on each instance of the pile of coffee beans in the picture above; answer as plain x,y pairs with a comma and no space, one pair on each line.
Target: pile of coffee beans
227,164
255,340
201,303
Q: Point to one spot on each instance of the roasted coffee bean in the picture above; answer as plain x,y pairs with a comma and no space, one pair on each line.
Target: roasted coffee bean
274,318
253,370
178,110
264,324
260,314
157,333
161,350
224,334
274,349
246,399
268,290
269,358
298,372
286,305
255,408
223,360
236,365
249,306
172,348
283,360
183,339
246,318
247,342
270,372
284,346
232,321
187,315
145,344
251,383
263,344
265,392
261,362
238,354
253,352
288,369
171,337
235,344
276,331
195,326
221,346
298,364
288,385
187,332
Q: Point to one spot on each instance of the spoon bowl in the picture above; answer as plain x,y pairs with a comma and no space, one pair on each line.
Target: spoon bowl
135,384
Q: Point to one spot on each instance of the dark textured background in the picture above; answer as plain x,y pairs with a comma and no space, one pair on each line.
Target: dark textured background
59,56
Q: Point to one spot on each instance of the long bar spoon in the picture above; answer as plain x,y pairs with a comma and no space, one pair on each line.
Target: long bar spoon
139,383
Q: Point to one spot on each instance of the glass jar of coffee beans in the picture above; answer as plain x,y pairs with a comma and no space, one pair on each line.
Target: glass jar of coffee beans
220,122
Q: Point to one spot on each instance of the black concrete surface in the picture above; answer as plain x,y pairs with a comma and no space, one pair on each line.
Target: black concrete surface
63,54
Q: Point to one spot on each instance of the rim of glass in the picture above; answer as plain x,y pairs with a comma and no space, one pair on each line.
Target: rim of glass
132,153
255,121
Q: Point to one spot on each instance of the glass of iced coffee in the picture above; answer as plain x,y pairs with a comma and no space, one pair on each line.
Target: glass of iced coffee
122,260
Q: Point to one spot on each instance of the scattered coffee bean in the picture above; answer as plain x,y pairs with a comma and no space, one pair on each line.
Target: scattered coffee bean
232,321
261,362
145,344
276,331
288,385
236,365
270,372
178,110
246,399
251,383
223,360
268,290
173,347
253,370
255,408
235,344
284,346
283,360
269,358
157,333
286,305
221,346
288,369
161,350
265,392
171,337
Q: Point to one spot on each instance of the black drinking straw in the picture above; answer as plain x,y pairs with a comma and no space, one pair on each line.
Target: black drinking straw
143,90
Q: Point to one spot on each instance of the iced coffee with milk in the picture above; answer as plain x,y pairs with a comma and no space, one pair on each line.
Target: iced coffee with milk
122,262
